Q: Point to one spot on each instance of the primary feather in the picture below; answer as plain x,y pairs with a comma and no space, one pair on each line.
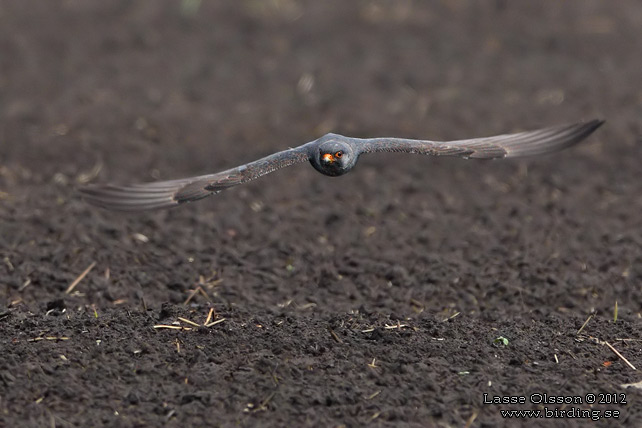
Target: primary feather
522,144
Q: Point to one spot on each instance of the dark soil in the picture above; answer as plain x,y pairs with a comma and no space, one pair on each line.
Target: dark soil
377,298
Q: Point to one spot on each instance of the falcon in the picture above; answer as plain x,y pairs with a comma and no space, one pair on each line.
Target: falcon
332,155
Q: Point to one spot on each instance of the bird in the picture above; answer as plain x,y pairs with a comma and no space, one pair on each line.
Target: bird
332,155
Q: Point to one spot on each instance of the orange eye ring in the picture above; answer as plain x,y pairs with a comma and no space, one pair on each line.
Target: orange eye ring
328,157
338,154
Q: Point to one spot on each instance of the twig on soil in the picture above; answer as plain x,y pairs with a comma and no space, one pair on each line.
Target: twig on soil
209,282
203,292
173,327
191,295
389,327
213,323
185,320
209,317
584,325
615,351
170,414
306,306
262,405
417,306
37,339
335,336
453,316
80,278
86,177
208,323
202,282
373,395
398,325
285,304
267,400
471,419
198,289
25,284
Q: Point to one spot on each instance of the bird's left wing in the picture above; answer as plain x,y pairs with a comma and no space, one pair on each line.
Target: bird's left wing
164,194
522,144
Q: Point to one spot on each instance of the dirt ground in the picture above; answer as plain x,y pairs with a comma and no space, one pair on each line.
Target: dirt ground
379,298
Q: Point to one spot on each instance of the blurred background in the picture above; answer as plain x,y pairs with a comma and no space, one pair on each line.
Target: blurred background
398,293
137,91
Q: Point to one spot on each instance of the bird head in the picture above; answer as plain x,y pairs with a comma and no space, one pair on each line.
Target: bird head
334,156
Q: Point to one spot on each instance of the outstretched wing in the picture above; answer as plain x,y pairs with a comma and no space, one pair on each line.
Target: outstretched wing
163,194
528,143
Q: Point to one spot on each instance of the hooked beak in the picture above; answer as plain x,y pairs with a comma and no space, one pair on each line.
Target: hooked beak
328,158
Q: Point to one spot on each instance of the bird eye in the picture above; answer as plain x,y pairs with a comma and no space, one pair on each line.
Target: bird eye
338,154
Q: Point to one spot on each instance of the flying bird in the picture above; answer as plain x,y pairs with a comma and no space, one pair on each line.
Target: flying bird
332,155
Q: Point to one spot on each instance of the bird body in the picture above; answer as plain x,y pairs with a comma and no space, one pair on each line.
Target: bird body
332,155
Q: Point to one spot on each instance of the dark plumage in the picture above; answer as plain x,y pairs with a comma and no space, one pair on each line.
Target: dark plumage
332,155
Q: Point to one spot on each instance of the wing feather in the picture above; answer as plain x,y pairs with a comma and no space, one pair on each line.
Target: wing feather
529,143
165,194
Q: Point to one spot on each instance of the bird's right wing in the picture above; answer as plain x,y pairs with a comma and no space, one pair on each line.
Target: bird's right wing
521,144
164,194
